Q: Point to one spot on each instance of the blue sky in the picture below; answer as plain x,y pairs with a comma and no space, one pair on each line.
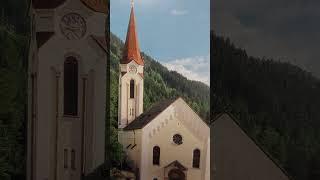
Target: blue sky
174,32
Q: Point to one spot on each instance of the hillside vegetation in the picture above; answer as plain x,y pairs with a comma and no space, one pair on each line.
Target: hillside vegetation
13,97
275,102
12,105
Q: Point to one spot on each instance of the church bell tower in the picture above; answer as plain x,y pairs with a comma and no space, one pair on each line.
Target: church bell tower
68,57
130,77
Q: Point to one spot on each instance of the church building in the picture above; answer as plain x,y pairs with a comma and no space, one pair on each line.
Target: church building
66,89
167,142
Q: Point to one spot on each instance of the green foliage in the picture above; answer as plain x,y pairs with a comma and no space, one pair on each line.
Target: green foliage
276,103
12,105
14,13
13,48
115,148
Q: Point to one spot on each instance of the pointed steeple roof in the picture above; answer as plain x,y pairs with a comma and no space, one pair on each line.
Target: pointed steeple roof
131,49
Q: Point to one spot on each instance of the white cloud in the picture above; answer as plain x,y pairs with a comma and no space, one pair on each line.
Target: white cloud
193,68
177,12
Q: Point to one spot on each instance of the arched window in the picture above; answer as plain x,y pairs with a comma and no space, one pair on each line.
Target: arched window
65,162
71,86
132,89
73,159
196,158
156,155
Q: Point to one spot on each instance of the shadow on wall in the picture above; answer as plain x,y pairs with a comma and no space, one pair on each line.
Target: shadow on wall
101,173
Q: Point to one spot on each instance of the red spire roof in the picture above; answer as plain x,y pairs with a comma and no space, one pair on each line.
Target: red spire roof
131,49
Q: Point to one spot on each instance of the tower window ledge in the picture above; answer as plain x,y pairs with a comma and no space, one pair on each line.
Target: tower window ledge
70,117
133,146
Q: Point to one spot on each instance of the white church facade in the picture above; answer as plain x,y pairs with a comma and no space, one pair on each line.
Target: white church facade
167,142
66,89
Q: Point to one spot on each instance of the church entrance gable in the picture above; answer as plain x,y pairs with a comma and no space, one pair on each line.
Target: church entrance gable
176,174
175,171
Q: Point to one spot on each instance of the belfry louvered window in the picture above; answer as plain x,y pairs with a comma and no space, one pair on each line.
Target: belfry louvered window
73,159
196,158
65,158
71,86
156,155
132,89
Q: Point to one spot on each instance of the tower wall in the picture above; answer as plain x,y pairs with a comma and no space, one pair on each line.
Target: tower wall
130,108
62,146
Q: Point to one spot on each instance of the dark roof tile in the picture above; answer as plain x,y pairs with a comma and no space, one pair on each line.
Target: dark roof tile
43,37
178,165
101,40
96,5
149,115
47,4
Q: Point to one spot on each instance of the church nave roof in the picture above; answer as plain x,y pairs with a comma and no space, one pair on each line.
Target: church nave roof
149,115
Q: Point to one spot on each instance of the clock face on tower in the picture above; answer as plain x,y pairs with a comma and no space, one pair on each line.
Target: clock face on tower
132,69
73,26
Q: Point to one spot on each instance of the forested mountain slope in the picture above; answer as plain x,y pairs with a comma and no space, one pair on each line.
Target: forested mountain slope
12,104
276,103
14,25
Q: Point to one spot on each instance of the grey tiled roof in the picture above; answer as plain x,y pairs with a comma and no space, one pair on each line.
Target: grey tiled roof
149,115
178,165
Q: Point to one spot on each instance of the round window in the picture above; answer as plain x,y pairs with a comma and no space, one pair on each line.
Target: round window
177,139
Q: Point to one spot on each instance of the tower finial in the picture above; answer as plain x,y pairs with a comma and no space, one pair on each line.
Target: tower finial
132,3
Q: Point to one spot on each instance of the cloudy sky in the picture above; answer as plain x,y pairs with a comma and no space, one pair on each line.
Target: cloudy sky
286,30
174,32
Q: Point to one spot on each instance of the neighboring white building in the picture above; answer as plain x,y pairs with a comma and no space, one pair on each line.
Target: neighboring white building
169,141
66,94
236,156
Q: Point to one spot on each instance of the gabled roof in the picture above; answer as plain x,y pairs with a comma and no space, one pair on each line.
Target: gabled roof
177,164
101,41
97,5
46,4
220,117
131,49
43,37
149,115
